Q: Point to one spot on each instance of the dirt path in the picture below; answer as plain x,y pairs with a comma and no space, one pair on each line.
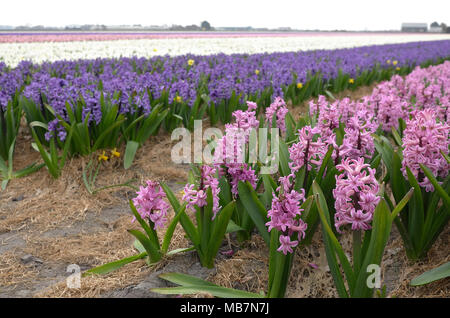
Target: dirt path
46,225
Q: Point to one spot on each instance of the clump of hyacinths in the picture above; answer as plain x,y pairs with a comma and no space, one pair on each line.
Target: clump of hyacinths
151,211
421,162
94,121
10,115
285,215
358,141
286,230
425,140
358,203
201,198
276,114
356,195
282,229
231,161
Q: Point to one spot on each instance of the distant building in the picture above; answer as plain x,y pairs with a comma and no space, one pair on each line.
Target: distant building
414,27
242,29
435,28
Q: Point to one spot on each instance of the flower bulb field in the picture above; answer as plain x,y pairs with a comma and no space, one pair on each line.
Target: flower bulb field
72,46
204,164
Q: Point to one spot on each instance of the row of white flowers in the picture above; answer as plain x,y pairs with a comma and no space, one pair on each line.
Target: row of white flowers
13,53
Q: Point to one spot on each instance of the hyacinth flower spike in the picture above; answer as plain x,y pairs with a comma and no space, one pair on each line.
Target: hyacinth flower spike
420,162
150,210
201,198
360,205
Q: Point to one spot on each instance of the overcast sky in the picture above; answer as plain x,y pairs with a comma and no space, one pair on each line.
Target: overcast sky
318,14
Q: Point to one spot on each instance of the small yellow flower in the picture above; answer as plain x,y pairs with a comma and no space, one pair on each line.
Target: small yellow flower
397,68
182,192
394,63
155,50
191,62
351,81
256,72
299,85
115,153
388,61
102,157
178,99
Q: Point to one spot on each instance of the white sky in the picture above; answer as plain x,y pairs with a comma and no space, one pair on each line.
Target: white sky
310,14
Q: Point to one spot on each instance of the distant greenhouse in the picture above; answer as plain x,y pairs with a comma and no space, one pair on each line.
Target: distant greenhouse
414,27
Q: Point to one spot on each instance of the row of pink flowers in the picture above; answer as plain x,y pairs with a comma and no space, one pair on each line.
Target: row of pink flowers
18,37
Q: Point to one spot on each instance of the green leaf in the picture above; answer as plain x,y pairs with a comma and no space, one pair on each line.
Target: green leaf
180,250
151,233
325,218
437,273
233,227
10,157
110,267
402,204
39,124
150,247
171,197
51,166
130,153
206,223
185,280
398,183
381,228
255,209
67,143
324,164
4,183
446,157
171,229
269,187
216,291
28,170
396,136
3,166
185,221
284,158
193,285
218,232
137,245
416,216
442,193
105,134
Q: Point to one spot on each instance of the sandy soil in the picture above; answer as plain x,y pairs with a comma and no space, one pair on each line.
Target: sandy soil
46,225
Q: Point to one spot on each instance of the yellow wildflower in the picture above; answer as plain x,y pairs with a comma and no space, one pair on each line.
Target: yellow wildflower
178,99
115,153
155,50
394,63
102,157
191,62
397,68
299,85
351,81
256,72
388,61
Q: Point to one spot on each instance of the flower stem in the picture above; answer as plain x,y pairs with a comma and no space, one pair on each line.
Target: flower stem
357,250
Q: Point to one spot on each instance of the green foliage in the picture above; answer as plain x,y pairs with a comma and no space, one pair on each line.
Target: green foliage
427,213
430,276
367,249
